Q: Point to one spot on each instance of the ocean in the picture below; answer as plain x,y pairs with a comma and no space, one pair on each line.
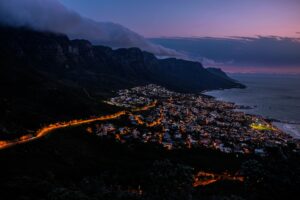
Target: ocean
271,96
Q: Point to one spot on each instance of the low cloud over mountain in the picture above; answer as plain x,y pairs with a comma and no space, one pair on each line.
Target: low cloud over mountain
51,15
261,51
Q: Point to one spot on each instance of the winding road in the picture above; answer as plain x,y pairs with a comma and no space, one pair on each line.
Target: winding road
201,179
59,125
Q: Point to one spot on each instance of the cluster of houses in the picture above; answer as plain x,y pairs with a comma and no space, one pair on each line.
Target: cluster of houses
191,121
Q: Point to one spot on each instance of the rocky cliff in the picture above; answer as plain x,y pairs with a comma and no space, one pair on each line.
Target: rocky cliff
46,77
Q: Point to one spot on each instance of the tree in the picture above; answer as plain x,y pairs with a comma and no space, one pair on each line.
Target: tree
168,181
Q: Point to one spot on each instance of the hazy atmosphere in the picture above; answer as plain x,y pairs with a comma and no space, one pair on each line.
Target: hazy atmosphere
239,41
150,99
197,18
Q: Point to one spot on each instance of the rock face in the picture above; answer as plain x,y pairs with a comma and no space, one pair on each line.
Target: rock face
46,77
220,73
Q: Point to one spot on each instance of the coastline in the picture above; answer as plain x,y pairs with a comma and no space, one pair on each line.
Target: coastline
285,126
288,128
272,97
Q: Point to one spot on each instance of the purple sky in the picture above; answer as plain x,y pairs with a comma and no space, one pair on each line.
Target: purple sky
252,22
216,18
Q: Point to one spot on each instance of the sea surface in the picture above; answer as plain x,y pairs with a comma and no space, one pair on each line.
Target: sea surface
271,96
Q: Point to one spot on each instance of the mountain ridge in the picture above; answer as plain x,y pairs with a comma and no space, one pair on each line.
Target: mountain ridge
45,77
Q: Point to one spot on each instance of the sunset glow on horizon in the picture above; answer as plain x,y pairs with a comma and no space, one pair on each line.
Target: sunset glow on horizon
261,70
197,18
232,34
212,30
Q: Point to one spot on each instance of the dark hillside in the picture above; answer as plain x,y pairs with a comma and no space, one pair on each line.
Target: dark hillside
45,77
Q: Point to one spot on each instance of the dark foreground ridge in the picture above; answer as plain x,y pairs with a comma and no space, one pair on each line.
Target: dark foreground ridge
45,77
147,153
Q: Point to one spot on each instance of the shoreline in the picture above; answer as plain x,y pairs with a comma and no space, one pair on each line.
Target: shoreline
283,125
287,128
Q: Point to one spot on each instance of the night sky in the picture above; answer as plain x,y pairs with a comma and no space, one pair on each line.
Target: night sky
215,18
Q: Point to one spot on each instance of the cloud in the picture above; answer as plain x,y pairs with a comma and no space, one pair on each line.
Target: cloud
51,15
267,51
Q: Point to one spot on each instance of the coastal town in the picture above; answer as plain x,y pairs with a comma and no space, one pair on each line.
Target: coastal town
153,114
177,120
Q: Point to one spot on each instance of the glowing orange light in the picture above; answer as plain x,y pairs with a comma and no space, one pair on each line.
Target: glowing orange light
205,178
59,125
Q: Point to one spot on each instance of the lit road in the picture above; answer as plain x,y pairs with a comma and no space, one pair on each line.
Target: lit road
205,178
201,179
60,125
156,122
52,127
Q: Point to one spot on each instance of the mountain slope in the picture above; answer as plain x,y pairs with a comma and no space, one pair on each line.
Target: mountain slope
45,77
219,72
